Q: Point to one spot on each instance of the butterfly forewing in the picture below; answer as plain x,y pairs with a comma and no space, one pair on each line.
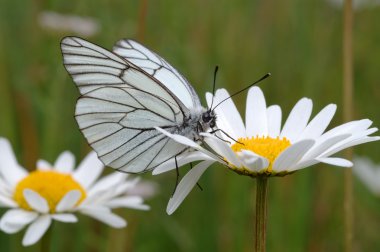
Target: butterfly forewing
119,107
160,69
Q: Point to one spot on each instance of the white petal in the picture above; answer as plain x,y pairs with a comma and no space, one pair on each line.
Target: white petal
319,123
134,202
43,165
304,164
256,114
15,219
321,147
35,201
252,161
186,141
10,169
69,218
68,201
182,159
36,230
274,120
65,162
7,202
108,182
229,118
348,128
106,217
368,173
356,139
187,183
297,120
89,170
336,161
209,99
291,155
223,149
11,228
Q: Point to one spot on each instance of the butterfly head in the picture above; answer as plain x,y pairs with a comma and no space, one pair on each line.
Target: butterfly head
209,119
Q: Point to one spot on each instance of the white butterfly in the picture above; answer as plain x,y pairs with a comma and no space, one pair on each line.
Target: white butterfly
125,94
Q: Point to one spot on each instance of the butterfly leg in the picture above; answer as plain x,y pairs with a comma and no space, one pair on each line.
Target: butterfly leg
199,186
225,133
177,175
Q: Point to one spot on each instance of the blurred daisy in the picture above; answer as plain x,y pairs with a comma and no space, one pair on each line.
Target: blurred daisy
356,4
84,26
262,147
56,192
368,172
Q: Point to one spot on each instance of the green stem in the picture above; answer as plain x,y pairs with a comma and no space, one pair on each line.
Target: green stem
46,240
261,213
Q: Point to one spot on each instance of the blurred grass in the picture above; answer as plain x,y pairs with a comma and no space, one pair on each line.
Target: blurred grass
299,42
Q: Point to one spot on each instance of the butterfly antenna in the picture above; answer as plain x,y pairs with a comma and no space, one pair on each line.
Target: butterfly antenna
261,79
213,86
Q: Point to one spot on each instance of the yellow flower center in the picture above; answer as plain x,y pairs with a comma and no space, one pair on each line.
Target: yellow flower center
267,147
51,185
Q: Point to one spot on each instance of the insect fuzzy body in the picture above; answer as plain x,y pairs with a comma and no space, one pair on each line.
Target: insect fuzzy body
125,95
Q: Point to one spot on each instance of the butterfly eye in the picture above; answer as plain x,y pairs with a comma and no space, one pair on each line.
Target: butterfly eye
206,117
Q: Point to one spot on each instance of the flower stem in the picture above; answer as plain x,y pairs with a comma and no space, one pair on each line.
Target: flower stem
348,77
46,241
261,213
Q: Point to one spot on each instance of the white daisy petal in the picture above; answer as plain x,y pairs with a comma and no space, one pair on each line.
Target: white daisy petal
319,148
68,201
297,119
349,142
336,161
15,219
348,128
319,123
11,228
229,118
69,218
107,182
274,120
43,165
35,201
88,170
134,202
368,173
256,114
186,141
209,99
9,168
291,155
187,183
252,161
36,230
7,202
223,149
182,159
65,162
106,217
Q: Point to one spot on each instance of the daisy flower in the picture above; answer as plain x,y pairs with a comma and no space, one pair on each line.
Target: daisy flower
57,192
368,172
262,147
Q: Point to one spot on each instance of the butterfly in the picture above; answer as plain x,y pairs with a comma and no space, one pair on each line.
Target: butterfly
125,95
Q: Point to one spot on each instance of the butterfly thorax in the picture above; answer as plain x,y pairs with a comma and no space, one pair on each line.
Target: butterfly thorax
198,121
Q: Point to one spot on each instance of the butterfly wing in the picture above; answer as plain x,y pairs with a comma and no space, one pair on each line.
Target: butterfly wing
160,69
119,106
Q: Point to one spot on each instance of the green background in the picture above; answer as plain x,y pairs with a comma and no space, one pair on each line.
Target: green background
299,42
